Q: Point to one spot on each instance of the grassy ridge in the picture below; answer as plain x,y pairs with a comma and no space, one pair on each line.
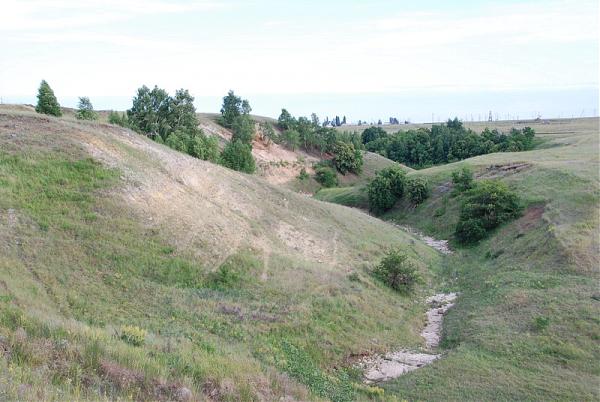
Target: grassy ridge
78,264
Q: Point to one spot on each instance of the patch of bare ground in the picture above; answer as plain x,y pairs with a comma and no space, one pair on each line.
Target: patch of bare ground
275,163
500,171
380,368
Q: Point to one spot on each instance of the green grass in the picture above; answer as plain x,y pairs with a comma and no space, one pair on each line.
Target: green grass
78,264
526,324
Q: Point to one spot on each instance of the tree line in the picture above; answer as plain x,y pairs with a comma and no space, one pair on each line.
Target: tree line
443,143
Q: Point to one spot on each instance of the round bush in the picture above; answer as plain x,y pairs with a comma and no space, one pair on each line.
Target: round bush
397,271
326,176
417,189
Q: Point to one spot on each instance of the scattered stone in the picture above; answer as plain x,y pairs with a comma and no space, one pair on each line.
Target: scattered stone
379,368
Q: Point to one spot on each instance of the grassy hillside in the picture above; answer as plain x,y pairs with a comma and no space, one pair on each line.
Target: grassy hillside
526,324
245,291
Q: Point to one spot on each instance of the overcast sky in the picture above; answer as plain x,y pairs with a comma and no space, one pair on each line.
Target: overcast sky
261,48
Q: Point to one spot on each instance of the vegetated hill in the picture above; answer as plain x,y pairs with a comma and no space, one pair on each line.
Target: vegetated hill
526,325
129,270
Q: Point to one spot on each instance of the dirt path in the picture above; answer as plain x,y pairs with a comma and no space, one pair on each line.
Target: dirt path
386,367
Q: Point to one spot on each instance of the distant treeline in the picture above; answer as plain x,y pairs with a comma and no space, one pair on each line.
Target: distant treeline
443,143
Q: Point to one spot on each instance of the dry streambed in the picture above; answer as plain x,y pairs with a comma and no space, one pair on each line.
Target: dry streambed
386,367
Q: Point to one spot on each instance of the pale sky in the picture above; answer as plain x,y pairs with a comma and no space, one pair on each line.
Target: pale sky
105,49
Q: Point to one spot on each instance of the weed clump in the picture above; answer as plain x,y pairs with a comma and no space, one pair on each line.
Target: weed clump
398,271
133,335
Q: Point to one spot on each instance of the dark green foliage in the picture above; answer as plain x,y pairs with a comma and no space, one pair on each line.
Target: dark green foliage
169,120
462,179
346,158
326,176
386,188
243,129
397,178
233,106
444,143
373,133
381,196
311,136
417,189
398,271
238,156
489,204
291,139
118,118
85,110
47,103
286,121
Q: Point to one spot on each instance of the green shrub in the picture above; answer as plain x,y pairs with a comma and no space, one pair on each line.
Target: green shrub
381,196
133,335
397,178
462,179
489,204
303,175
397,271
346,158
234,271
118,118
417,189
326,176
238,156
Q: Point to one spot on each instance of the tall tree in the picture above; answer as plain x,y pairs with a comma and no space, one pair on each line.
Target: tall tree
233,106
85,110
47,103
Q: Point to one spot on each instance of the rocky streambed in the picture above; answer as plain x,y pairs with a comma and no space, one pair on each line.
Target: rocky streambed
379,368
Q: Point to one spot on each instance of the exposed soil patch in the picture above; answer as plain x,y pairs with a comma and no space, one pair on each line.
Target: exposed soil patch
380,368
499,171
531,217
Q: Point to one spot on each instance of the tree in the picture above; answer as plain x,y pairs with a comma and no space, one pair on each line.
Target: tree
398,271
344,120
238,156
47,103
286,121
233,106
346,158
291,139
372,133
85,110
243,129
315,120
181,111
149,112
